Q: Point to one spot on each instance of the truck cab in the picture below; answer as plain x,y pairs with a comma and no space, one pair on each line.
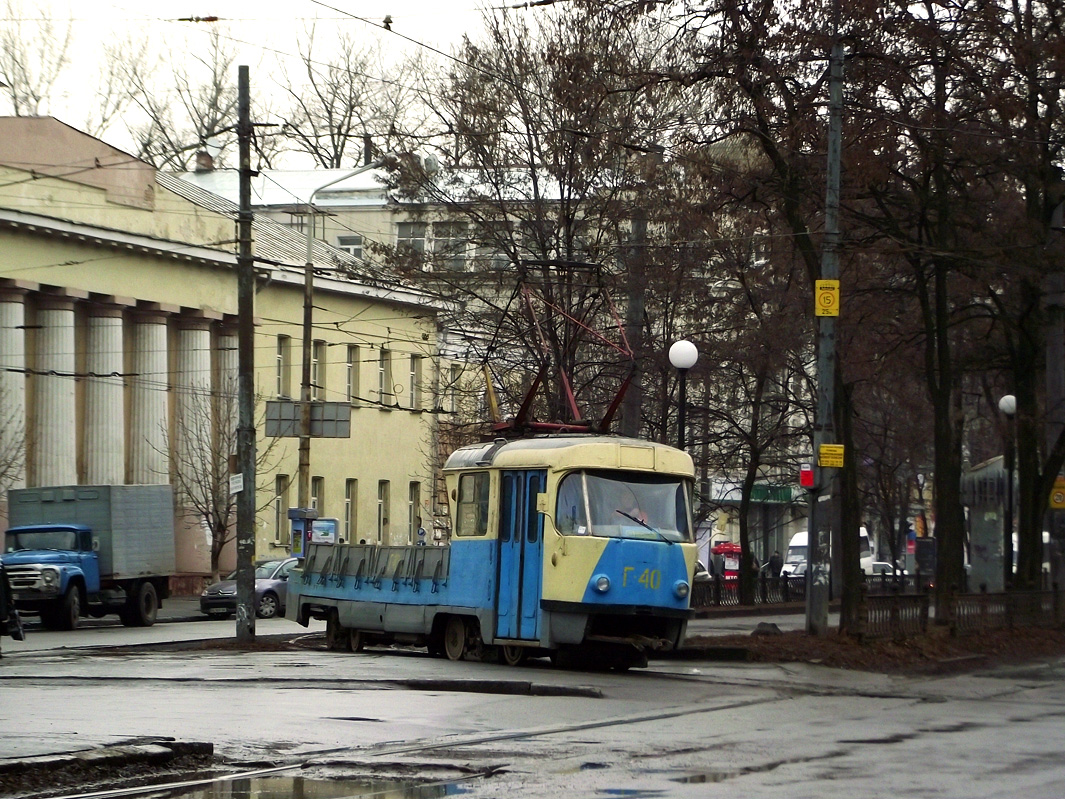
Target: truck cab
52,568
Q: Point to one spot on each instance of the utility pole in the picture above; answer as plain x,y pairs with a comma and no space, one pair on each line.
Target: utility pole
246,375
828,455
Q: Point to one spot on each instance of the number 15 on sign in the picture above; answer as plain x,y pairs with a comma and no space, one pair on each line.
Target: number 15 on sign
826,298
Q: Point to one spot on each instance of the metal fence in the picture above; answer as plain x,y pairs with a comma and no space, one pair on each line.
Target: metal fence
971,613
723,592
898,606
894,615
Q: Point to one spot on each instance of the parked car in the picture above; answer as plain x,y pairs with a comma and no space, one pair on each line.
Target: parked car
883,567
701,574
271,583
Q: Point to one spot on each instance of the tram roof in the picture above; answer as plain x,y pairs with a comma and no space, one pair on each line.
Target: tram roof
573,452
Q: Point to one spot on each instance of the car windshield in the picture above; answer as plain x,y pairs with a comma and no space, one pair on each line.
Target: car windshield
264,570
15,540
796,555
623,505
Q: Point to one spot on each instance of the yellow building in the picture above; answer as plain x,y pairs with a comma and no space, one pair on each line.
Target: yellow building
118,311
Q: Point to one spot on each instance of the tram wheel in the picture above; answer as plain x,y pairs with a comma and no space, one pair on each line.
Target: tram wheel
337,638
455,638
513,655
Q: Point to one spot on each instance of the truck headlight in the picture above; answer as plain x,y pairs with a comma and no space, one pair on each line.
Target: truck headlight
49,578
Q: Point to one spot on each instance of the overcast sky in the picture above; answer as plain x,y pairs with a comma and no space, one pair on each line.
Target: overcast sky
262,31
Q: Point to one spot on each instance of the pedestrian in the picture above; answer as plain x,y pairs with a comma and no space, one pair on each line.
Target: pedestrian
10,623
776,563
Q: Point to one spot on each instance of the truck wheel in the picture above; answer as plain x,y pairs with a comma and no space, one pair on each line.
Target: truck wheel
141,606
70,610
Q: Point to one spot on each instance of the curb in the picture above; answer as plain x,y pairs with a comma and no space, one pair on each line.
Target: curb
31,774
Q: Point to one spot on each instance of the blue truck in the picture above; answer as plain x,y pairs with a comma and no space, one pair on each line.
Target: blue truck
74,551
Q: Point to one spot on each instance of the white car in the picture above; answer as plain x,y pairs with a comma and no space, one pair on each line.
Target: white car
882,567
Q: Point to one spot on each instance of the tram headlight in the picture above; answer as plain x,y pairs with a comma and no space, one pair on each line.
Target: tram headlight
681,589
601,583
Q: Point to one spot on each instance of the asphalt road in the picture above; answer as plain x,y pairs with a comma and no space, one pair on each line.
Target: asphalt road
676,729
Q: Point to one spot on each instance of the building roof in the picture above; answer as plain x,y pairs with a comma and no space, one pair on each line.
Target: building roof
286,249
283,188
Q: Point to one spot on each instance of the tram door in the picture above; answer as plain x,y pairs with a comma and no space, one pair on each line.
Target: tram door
521,547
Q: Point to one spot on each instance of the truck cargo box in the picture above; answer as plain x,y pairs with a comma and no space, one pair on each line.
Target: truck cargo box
132,525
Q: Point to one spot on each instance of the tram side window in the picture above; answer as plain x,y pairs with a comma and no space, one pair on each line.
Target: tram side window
472,513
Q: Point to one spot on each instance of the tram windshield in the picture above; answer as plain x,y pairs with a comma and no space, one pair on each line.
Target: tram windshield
623,505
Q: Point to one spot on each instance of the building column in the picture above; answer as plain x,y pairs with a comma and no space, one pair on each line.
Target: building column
193,402
148,431
226,385
12,388
105,427
55,431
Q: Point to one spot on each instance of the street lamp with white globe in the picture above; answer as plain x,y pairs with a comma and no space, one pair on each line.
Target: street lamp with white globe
682,356
1008,406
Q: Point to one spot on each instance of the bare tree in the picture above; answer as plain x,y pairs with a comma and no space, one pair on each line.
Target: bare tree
12,445
336,103
113,96
33,55
192,107
201,465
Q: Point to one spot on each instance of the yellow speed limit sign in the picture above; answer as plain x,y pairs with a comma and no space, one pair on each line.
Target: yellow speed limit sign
826,298
1057,494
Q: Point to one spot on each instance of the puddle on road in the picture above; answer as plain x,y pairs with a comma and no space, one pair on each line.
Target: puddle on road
280,787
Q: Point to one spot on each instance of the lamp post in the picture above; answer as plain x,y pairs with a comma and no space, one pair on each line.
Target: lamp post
304,481
1008,406
682,355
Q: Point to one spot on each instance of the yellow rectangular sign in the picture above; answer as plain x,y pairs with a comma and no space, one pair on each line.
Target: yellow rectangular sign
1057,494
830,456
826,298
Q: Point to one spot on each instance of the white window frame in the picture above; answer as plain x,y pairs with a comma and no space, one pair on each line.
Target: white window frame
281,523
354,361
318,364
384,491
385,385
352,244
414,501
283,362
351,509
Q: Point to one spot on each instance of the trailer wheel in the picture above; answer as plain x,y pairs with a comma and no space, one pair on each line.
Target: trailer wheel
455,638
142,606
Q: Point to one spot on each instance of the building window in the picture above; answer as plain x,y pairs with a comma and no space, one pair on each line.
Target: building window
281,523
416,382
284,365
351,245
492,242
354,360
414,513
351,509
317,370
384,376
411,236
449,246
453,389
318,495
382,511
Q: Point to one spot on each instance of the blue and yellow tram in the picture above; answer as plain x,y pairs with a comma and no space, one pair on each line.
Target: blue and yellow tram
576,546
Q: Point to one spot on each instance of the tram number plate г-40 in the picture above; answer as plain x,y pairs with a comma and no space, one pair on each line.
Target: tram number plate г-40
648,578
